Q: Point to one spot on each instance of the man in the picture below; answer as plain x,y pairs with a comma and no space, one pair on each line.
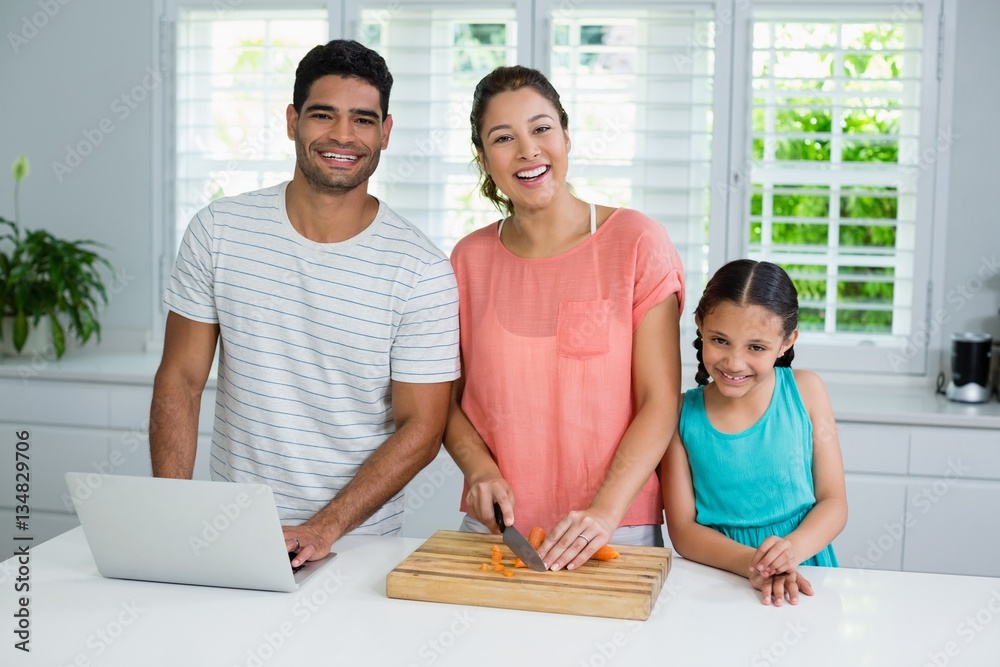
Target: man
337,319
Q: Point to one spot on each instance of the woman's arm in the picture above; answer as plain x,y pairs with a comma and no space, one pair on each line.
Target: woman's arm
829,515
655,386
473,457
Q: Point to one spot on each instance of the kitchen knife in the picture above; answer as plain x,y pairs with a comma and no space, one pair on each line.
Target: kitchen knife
520,546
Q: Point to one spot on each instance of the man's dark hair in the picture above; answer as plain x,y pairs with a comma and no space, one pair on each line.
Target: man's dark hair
346,58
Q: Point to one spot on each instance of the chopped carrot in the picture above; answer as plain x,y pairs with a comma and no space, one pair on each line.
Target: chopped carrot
484,567
536,537
607,552
496,547
519,563
508,573
498,567
496,557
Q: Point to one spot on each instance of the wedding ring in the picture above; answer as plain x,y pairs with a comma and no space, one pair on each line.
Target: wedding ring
297,545
585,537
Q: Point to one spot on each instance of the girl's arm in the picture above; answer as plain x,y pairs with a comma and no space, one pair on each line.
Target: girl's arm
691,539
655,386
829,515
473,457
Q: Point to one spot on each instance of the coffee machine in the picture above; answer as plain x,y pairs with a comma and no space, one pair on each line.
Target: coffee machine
970,367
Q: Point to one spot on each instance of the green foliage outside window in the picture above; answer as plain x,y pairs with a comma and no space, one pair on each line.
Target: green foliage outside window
473,42
803,127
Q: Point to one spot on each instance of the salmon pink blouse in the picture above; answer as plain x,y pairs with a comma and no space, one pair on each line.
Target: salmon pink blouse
547,359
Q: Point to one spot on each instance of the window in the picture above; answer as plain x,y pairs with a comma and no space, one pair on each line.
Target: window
637,85
794,131
834,142
436,56
234,76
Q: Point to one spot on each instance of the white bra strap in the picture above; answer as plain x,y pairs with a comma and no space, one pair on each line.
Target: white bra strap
500,226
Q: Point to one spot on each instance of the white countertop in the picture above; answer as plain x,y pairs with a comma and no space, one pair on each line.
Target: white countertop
342,617
908,405
89,365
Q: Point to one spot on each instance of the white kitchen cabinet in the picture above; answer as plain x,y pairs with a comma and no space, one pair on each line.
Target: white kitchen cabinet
53,451
875,458
955,527
874,448
433,497
955,453
921,498
84,426
873,537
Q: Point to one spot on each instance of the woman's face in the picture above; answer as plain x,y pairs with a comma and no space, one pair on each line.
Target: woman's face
525,149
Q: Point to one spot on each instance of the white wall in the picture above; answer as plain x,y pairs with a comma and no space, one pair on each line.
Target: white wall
65,79
60,84
973,243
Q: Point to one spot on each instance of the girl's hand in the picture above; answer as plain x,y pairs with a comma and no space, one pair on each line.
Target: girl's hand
775,589
773,556
575,539
483,493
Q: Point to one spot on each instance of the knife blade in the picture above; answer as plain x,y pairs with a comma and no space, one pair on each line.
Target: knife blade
516,542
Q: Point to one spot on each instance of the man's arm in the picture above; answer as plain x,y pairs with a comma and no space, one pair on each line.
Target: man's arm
419,412
188,351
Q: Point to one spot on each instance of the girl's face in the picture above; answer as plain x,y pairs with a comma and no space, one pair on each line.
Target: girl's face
740,345
525,149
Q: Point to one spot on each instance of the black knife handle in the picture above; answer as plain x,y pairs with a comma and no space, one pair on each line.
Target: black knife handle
498,514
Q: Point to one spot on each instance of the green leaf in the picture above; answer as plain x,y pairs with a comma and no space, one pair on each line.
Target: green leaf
20,330
58,336
88,324
20,168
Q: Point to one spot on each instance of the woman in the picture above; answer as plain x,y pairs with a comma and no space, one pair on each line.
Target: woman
569,325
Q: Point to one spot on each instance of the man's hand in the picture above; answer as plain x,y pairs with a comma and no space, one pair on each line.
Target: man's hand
309,543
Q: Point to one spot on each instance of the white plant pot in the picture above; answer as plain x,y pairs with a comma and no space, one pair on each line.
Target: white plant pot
38,344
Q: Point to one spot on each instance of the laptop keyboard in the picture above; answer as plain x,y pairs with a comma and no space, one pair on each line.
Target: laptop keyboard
291,557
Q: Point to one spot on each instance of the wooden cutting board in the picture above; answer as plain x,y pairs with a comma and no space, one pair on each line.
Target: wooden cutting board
445,568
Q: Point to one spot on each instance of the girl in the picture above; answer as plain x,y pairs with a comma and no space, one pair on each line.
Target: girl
568,314
753,481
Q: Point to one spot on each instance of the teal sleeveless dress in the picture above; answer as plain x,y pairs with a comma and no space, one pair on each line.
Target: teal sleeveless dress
756,483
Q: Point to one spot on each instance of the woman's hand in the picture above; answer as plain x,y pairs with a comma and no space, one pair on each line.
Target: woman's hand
775,555
486,491
775,589
575,539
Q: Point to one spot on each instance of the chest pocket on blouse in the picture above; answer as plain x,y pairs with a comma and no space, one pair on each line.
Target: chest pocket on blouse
582,330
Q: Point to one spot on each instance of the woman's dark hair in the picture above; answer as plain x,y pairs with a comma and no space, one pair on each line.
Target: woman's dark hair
745,282
346,58
502,80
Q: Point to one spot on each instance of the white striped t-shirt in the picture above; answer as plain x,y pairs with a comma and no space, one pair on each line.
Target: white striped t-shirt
310,336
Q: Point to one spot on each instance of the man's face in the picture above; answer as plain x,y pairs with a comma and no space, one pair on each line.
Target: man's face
339,134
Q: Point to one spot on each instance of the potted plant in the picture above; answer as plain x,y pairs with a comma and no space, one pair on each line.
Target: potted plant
47,282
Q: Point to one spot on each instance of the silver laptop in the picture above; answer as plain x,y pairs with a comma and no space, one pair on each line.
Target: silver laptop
185,532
